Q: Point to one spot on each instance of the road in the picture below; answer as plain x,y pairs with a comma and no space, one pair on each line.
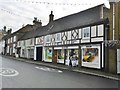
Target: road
17,74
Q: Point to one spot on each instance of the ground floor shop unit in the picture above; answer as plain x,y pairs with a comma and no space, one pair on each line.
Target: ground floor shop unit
87,55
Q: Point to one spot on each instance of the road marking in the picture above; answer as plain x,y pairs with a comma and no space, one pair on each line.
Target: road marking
49,69
8,72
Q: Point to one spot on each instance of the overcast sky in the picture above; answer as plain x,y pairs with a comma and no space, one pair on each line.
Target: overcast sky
15,13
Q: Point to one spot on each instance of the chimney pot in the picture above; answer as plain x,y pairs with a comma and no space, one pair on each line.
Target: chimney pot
51,17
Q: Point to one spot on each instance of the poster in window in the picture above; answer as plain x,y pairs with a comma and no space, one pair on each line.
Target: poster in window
91,56
60,56
48,54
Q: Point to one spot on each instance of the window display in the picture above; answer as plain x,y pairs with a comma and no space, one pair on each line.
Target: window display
48,54
72,57
60,56
91,56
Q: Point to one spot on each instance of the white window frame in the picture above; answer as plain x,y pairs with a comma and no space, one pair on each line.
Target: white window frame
47,39
84,30
93,29
69,35
100,29
8,40
58,37
14,39
11,39
80,35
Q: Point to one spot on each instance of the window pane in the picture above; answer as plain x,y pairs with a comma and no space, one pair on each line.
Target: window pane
86,32
80,33
93,31
100,30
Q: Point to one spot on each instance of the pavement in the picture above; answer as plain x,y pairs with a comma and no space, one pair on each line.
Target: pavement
64,67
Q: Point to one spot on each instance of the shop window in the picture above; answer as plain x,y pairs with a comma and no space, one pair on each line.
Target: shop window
60,56
86,33
48,54
91,56
72,57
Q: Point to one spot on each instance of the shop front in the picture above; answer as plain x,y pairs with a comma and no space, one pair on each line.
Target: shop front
66,55
91,56
72,56
59,55
47,54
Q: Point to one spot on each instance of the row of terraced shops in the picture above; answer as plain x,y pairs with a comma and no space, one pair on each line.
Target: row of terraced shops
81,39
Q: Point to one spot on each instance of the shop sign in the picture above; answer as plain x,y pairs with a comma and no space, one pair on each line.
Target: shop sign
91,56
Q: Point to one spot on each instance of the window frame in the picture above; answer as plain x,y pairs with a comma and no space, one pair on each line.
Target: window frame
84,32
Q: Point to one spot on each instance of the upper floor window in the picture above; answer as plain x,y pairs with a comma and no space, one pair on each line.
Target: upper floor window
8,40
47,39
31,41
69,35
23,43
58,37
86,33
100,30
11,39
93,31
14,39
19,43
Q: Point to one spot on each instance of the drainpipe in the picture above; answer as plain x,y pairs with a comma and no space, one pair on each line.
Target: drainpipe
113,21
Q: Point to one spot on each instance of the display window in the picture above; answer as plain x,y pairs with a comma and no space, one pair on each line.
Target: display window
48,53
60,56
91,56
72,57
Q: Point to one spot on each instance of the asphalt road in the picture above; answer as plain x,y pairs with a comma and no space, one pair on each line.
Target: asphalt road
17,74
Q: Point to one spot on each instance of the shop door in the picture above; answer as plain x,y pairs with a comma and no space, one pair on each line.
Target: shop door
118,61
55,56
39,53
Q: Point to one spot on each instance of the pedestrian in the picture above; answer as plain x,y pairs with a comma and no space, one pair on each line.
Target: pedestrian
70,63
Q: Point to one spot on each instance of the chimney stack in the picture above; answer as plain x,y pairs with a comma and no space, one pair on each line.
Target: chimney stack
37,22
51,17
9,31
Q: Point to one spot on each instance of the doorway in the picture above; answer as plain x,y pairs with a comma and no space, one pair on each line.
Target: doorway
55,56
39,53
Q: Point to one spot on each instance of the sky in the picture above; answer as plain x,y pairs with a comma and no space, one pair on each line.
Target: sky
16,13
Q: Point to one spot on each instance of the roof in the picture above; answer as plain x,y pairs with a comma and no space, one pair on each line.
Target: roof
21,30
77,20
